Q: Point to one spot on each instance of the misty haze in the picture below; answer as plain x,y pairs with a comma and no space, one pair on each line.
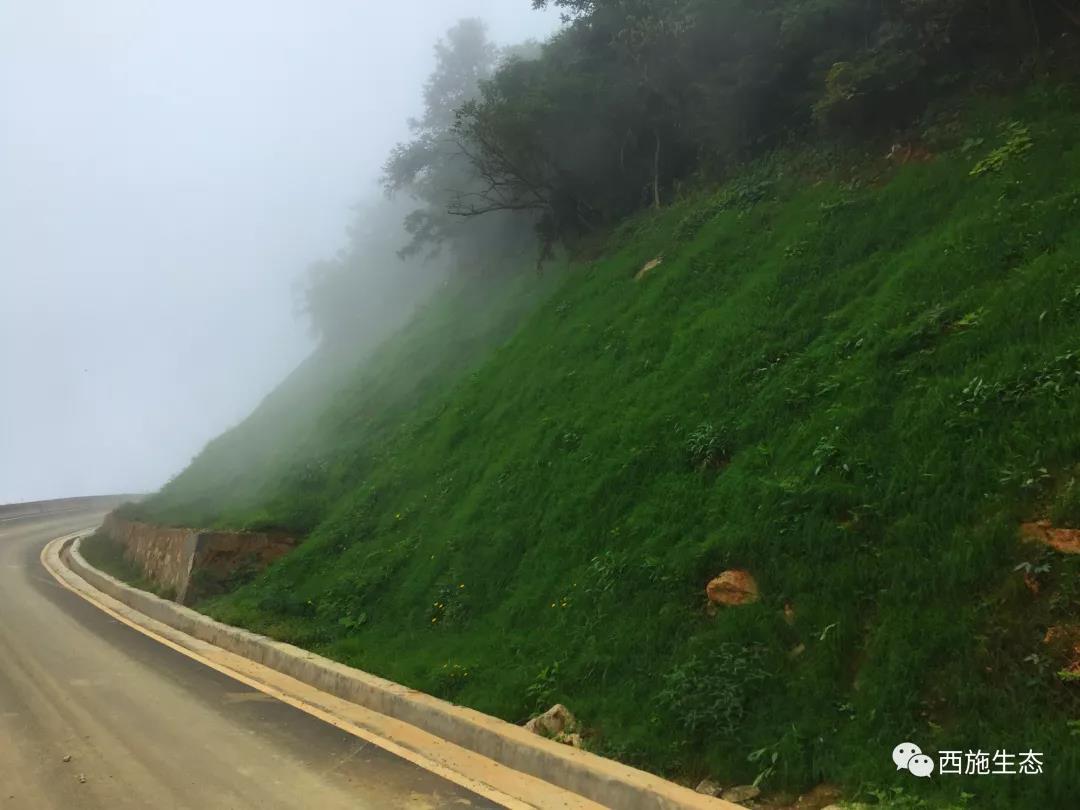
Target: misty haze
556,404
167,174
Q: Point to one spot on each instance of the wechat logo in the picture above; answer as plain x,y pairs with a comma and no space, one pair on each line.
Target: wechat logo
909,757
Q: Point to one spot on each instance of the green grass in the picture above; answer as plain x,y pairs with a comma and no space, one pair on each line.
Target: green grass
852,381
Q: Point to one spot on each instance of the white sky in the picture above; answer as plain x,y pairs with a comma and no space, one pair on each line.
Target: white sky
168,168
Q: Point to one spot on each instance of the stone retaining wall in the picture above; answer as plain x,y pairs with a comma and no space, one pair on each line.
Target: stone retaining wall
192,563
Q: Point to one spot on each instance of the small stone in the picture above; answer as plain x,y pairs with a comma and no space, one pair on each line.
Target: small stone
821,795
553,722
733,587
67,757
82,778
741,793
647,267
572,739
709,787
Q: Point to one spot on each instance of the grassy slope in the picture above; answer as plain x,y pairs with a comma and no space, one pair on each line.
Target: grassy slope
306,444
542,530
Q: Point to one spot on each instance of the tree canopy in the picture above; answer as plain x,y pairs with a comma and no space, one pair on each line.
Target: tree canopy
633,97
632,100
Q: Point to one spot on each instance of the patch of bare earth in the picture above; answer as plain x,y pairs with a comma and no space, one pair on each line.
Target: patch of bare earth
1067,541
1063,642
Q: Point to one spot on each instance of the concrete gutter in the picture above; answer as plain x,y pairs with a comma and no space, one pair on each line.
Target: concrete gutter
604,781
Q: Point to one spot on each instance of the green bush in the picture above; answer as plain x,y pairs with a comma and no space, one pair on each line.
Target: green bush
708,446
709,695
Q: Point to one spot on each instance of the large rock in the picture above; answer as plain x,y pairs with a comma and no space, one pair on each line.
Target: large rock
554,722
733,587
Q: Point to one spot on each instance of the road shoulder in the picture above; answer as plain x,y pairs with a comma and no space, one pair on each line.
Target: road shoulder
484,754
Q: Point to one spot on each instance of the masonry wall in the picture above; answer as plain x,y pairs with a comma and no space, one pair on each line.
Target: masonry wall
192,563
164,555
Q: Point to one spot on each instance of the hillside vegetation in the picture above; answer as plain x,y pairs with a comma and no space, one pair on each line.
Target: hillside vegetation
287,464
851,378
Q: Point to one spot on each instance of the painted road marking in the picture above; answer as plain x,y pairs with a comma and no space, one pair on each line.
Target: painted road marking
480,788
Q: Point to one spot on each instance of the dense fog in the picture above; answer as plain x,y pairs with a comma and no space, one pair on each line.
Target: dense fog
168,172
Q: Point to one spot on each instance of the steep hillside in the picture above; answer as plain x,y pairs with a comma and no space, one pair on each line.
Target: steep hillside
851,378
286,465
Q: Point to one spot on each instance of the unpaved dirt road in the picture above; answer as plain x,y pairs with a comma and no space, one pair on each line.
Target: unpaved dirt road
147,727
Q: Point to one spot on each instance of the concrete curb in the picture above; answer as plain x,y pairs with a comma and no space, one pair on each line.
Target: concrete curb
601,780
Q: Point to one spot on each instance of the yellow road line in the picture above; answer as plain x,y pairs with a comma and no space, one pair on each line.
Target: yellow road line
478,787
